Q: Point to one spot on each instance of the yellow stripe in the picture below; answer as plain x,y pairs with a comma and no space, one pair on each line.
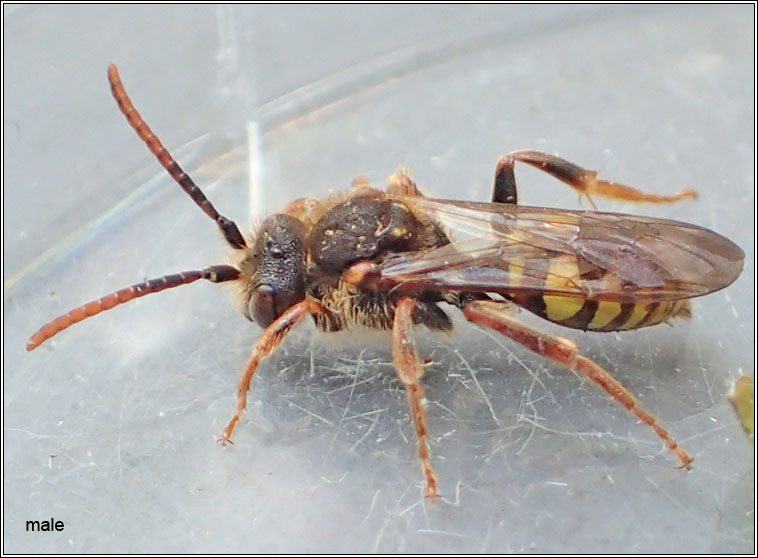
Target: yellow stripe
639,312
516,271
660,313
563,273
605,312
559,308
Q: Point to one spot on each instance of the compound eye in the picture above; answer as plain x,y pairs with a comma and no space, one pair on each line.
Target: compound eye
262,305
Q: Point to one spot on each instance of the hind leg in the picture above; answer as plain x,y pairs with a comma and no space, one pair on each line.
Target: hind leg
580,179
496,315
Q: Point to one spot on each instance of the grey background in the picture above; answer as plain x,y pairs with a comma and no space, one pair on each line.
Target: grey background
111,426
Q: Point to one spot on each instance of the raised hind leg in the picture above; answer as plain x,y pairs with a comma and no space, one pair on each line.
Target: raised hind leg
580,179
495,315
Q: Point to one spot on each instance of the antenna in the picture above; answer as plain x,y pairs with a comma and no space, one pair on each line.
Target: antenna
214,274
228,227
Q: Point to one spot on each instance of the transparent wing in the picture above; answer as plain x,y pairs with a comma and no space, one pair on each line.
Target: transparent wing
510,249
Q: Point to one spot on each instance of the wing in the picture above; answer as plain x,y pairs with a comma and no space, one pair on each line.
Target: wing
510,249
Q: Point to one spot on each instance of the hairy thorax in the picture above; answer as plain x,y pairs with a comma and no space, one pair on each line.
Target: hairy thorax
367,227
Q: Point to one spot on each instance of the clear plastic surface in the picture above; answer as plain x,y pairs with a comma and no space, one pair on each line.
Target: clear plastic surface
111,426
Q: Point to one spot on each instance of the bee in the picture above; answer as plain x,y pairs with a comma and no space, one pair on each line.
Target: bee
394,259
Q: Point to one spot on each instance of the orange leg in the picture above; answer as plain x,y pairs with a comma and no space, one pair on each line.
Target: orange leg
267,344
409,369
580,179
495,315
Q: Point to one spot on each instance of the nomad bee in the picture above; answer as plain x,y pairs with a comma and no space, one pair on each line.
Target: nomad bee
389,260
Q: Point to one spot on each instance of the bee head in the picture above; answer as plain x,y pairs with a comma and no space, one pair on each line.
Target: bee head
274,269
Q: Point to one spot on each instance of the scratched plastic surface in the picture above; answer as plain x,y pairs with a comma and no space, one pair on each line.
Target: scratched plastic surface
111,427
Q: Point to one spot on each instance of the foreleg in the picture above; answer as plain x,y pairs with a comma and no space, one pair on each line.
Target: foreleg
267,344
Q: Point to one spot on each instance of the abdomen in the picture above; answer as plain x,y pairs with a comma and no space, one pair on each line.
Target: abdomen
580,312
593,315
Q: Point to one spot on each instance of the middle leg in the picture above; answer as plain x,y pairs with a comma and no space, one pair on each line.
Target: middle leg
409,369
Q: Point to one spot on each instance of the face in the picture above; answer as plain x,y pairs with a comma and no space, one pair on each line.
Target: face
279,277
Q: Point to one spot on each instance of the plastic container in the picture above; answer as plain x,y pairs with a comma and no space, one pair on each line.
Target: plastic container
111,426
